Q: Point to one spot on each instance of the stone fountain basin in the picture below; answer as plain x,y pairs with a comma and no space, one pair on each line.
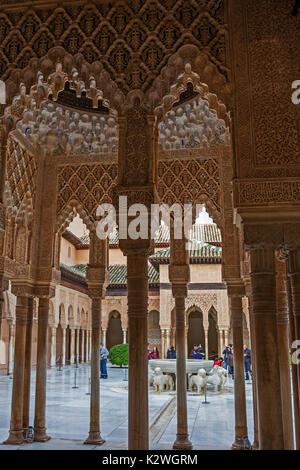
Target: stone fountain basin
192,365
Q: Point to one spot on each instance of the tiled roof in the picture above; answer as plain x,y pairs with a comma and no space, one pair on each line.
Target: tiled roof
117,273
196,250
208,233
77,268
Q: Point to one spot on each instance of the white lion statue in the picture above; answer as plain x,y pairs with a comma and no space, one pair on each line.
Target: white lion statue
162,382
217,377
150,378
198,381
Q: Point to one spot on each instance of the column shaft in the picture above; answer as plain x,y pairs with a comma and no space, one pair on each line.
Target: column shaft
266,344
255,443
296,398
137,281
182,437
94,436
294,276
16,421
239,374
40,434
11,343
27,370
284,359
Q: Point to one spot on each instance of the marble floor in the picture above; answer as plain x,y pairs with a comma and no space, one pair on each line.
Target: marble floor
211,426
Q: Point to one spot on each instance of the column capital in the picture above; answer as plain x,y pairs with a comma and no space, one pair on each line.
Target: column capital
179,274
96,291
235,288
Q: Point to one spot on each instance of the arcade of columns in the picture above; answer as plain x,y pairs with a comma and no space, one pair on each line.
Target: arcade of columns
257,210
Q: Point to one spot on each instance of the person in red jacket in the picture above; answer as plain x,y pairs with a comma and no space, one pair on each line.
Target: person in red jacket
155,353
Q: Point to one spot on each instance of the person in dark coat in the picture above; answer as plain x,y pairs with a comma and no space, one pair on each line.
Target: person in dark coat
230,363
226,354
247,361
171,353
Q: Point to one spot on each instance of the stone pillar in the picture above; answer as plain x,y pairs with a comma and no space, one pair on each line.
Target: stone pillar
239,373
296,398
124,336
53,347
16,422
226,337
179,275
163,343
206,342
284,359
294,275
40,434
90,344
182,439
255,444
168,339
94,437
77,346
104,337
72,346
11,344
263,288
63,359
137,282
27,366
186,341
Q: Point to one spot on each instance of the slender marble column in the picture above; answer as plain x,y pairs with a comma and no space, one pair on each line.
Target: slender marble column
72,346
11,344
263,287
124,336
206,342
226,337
182,438
27,369
16,422
255,444
104,338
168,339
90,344
163,343
284,359
239,373
77,346
63,359
294,315
94,437
137,282
294,273
53,347
40,434
296,398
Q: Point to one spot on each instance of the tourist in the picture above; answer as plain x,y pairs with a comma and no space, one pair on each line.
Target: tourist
200,348
247,361
103,361
155,353
225,355
196,353
171,353
219,362
230,362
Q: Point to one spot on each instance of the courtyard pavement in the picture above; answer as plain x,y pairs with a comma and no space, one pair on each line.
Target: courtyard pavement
211,426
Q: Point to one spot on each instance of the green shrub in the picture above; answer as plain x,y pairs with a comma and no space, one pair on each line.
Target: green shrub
118,355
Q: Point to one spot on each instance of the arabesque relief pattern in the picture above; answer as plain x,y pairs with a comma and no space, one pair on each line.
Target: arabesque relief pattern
133,41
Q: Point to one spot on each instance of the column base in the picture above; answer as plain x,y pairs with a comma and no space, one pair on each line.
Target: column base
15,438
182,442
94,438
255,445
40,435
238,444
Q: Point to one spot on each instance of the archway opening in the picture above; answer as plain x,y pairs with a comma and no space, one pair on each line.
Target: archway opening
196,333
212,334
114,331
154,333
